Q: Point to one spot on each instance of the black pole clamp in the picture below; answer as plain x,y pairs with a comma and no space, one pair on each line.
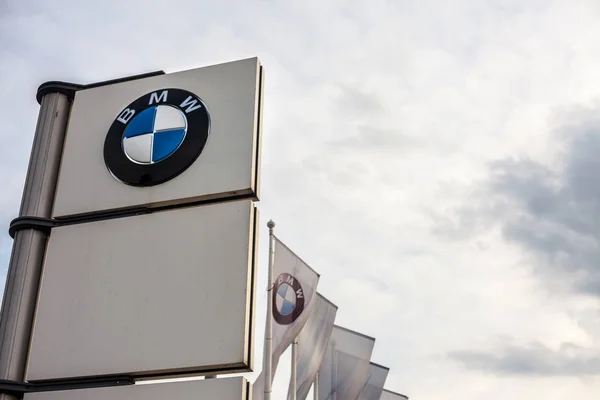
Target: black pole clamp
36,223
18,389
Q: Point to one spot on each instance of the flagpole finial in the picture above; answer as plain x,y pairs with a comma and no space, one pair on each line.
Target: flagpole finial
271,224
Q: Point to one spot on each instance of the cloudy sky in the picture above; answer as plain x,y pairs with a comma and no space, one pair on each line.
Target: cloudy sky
436,161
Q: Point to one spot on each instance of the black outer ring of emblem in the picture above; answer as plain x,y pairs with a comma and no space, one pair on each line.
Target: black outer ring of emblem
287,319
198,128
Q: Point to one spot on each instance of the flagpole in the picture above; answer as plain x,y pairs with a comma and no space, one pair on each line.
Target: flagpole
334,395
294,363
316,388
269,324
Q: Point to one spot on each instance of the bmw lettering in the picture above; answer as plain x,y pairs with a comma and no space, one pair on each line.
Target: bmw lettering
156,137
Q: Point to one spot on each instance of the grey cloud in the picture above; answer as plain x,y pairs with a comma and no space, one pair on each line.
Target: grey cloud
374,138
352,101
534,359
348,161
552,214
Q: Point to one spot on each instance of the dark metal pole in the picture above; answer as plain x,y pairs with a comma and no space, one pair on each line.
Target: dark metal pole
29,246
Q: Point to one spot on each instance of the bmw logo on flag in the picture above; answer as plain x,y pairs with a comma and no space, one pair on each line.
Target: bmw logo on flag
288,299
156,137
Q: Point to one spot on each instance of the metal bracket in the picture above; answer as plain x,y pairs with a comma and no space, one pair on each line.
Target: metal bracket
36,223
18,389
45,225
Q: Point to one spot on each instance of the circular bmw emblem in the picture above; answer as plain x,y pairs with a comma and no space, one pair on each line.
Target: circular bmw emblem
156,137
288,299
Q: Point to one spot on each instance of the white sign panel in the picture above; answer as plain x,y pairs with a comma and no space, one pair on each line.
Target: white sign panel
170,139
164,293
210,389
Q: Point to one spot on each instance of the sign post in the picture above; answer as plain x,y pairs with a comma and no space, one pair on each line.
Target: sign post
21,291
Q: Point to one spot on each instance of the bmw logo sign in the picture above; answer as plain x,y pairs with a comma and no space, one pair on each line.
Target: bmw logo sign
288,299
156,137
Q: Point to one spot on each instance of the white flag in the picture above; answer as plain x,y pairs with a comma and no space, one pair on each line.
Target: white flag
377,376
389,395
345,368
294,288
312,344
258,387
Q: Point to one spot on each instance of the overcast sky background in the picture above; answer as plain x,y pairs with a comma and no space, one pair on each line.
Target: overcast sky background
436,161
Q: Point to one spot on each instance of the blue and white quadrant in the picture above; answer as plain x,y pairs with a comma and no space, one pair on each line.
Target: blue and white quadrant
285,300
154,134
